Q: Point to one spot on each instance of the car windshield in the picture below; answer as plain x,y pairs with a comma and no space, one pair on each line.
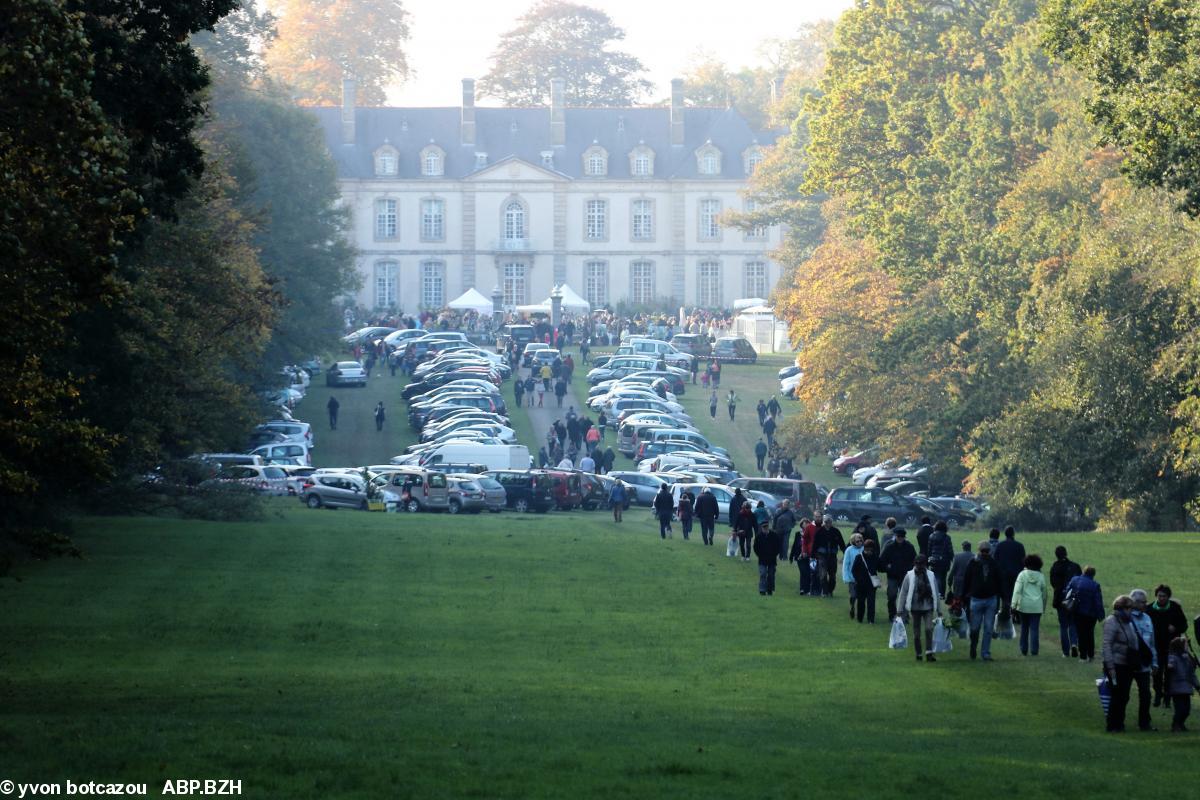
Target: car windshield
274,473
489,483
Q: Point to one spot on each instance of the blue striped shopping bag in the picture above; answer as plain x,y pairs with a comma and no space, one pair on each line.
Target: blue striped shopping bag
1105,690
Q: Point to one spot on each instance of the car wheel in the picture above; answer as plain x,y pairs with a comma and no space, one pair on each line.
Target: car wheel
953,522
454,507
313,501
363,506
910,519
521,505
412,506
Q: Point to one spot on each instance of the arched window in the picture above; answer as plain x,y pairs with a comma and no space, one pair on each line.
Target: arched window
708,160
433,161
751,158
386,161
641,162
595,162
514,220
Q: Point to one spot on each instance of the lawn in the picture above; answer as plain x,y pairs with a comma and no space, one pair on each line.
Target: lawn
356,442
342,654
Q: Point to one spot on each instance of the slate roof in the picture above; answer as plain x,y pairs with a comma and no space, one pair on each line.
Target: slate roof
525,133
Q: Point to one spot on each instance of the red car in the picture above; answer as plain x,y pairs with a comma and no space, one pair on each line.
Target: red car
847,464
567,489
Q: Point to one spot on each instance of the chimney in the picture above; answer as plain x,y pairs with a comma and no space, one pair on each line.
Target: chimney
348,87
558,114
676,111
468,111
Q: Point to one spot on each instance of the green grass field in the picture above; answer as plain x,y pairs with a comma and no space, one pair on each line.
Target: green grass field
351,655
356,442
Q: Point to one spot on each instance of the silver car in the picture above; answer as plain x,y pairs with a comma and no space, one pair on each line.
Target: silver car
475,493
346,373
333,490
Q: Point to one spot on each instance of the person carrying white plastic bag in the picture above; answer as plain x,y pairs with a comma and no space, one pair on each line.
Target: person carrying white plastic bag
899,638
731,549
941,638
919,599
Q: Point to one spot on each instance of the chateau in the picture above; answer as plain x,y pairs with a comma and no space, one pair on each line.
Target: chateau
622,204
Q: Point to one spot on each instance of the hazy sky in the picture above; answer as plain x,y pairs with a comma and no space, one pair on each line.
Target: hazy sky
452,39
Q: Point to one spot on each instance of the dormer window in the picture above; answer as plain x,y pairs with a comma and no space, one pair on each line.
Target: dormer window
708,160
433,161
595,162
751,159
387,161
480,160
641,162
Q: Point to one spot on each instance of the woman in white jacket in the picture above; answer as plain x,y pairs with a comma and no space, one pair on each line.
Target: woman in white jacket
919,600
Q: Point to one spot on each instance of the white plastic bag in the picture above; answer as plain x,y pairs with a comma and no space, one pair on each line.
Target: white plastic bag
731,549
899,639
1002,627
941,638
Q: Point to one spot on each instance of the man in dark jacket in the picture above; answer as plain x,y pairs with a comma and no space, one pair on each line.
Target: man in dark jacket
332,406
923,534
826,546
769,428
958,572
735,506
868,531
782,524
1061,573
1169,621
664,509
941,554
766,547
760,453
1010,557
609,457
896,560
983,586
707,512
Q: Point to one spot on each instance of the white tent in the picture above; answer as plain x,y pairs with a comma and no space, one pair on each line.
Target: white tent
472,300
570,301
747,302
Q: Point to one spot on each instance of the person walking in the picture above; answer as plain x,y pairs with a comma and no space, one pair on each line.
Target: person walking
332,407
918,601
1086,602
541,393
686,510
761,408
609,457
1181,681
731,402
1061,572
712,405
923,534
1009,555
707,512
958,569
380,416
664,509
602,423
1121,653
529,384
769,431
864,570
1169,623
1029,598
766,547
773,407
560,391
744,527
1148,665
782,523
848,558
867,530
896,560
828,543
546,373
760,453
982,587
519,392
802,554
941,554
617,497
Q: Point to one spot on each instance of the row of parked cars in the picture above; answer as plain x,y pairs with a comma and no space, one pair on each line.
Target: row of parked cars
889,488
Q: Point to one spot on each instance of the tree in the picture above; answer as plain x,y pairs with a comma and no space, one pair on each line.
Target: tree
564,40
322,42
1142,58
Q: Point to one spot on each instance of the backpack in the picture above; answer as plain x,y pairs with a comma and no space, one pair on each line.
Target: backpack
1070,599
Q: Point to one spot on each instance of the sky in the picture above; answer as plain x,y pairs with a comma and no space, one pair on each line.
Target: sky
452,39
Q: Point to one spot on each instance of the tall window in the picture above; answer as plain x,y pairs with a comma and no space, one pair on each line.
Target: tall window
710,210
596,163
432,163
385,219
752,161
642,165
433,284
595,283
385,162
643,219
433,220
708,164
513,284
387,280
597,219
708,285
758,231
514,220
641,282
755,280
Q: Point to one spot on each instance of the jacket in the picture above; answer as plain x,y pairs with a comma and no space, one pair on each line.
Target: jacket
1120,643
686,508
906,600
828,541
706,506
862,569
848,563
983,579
784,521
1061,572
869,532
735,507
617,495
1164,620
958,571
745,525
802,544
923,538
1181,675
1145,628
1010,556
1030,594
766,547
941,551
664,505
897,559
1091,600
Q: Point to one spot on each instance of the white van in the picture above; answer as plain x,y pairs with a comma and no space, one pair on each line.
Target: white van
493,456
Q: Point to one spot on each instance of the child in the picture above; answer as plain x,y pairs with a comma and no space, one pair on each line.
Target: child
1182,681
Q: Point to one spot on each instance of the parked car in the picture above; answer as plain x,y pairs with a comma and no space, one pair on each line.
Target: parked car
426,490
530,349
962,504
333,490
470,494
368,334
640,487
846,464
525,489
346,373
521,334
804,496
723,494
293,430
260,479
229,459
271,452
567,489
694,344
734,348
847,503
